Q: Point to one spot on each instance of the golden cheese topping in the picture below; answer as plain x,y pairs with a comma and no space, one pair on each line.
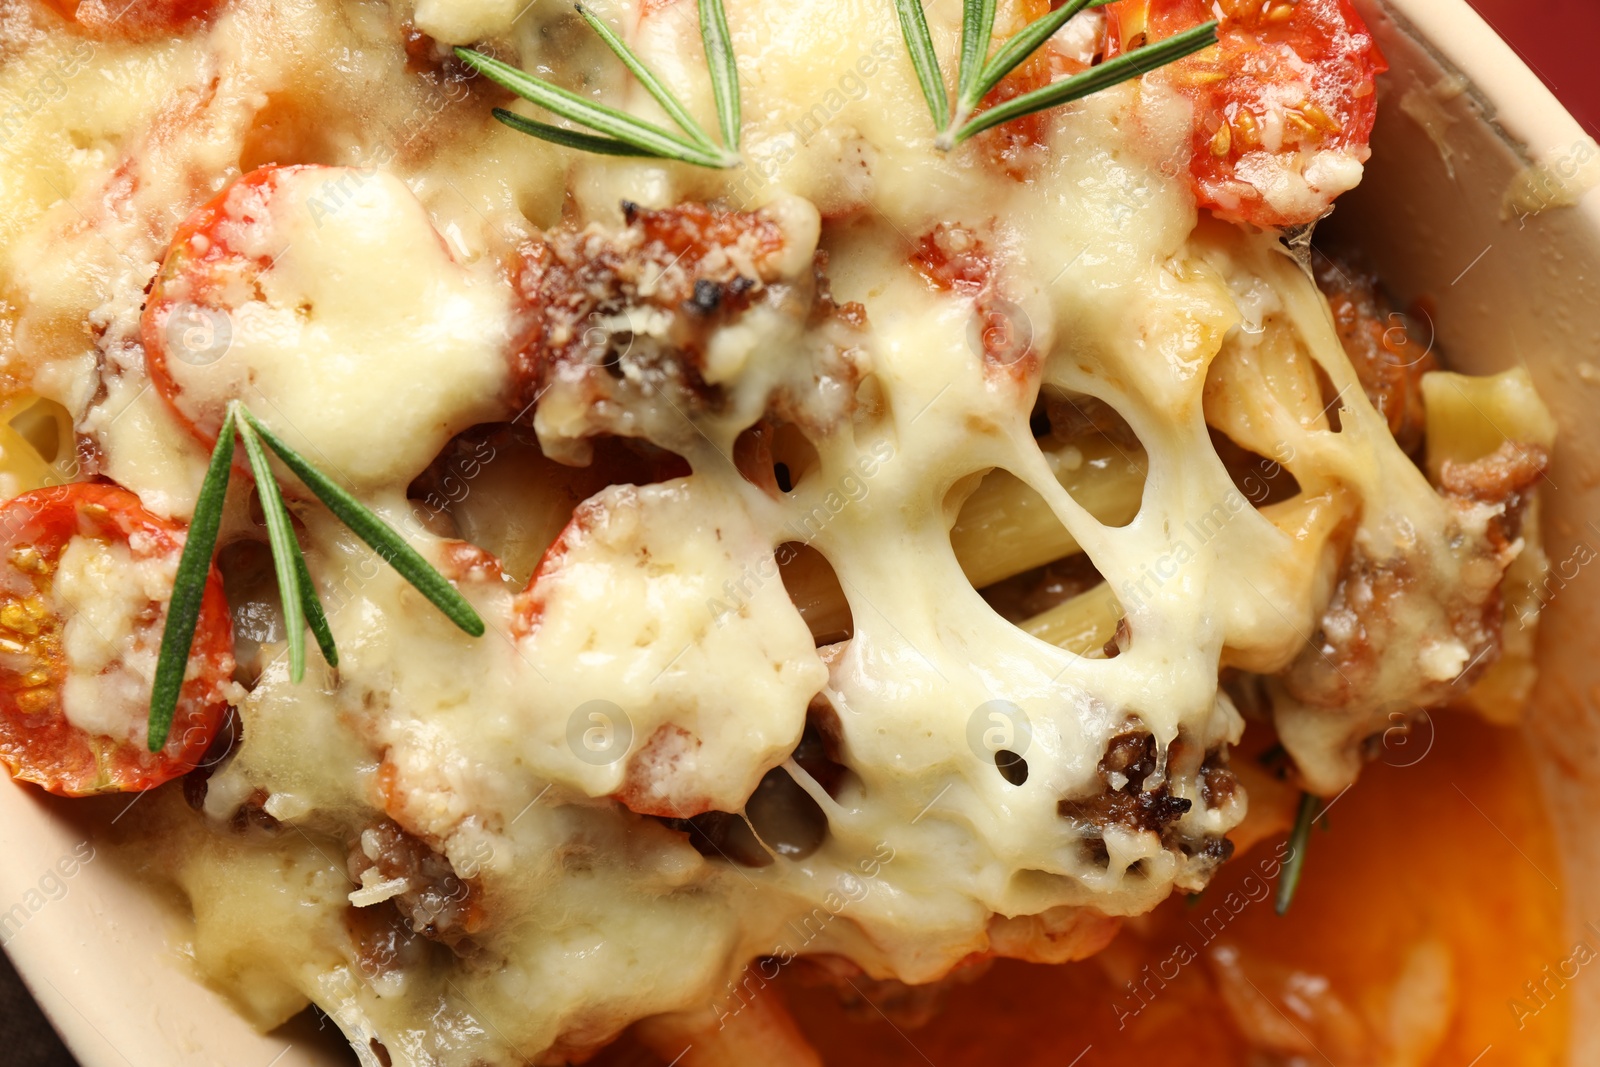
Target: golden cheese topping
326,297
109,640
765,418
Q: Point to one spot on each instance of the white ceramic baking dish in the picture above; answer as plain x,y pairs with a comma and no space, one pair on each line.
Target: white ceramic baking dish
1474,198
1482,196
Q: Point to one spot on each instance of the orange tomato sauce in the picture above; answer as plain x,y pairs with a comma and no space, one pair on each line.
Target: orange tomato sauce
1456,848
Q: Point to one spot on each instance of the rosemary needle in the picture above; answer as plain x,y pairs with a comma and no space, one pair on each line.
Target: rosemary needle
724,70
316,618
294,577
189,589
583,142
1299,838
924,60
977,27
280,535
617,125
1123,68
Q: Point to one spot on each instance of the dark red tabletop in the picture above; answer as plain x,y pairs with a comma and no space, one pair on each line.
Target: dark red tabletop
1557,38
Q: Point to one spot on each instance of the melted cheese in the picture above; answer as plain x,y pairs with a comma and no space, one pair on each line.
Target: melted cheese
657,655
361,319
111,635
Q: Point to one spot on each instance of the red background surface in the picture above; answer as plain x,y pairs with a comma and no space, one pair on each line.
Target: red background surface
1557,38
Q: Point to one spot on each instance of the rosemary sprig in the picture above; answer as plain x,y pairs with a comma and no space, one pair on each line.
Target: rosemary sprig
1299,838
301,607
976,78
623,134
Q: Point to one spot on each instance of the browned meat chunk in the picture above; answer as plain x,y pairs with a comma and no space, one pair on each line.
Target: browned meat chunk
619,321
1504,478
1129,760
1412,630
1388,359
438,904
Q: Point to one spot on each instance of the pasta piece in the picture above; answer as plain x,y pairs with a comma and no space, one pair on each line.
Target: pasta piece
1315,536
1468,418
1265,395
497,490
1006,528
35,446
1083,624
815,590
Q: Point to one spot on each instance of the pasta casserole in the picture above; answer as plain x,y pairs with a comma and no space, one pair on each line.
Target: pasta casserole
826,483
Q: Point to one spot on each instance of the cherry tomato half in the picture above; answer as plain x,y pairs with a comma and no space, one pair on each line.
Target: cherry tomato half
81,732
1283,107
203,276
134,20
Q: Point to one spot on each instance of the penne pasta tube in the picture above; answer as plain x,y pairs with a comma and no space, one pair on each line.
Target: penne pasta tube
1265,394
1468,417
502,493
36,445
1083,624
507,497
1006,528
1317,530
815,590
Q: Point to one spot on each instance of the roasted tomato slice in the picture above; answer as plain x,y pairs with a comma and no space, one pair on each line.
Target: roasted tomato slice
326,298
84,585
204,274
1283,107
135,20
